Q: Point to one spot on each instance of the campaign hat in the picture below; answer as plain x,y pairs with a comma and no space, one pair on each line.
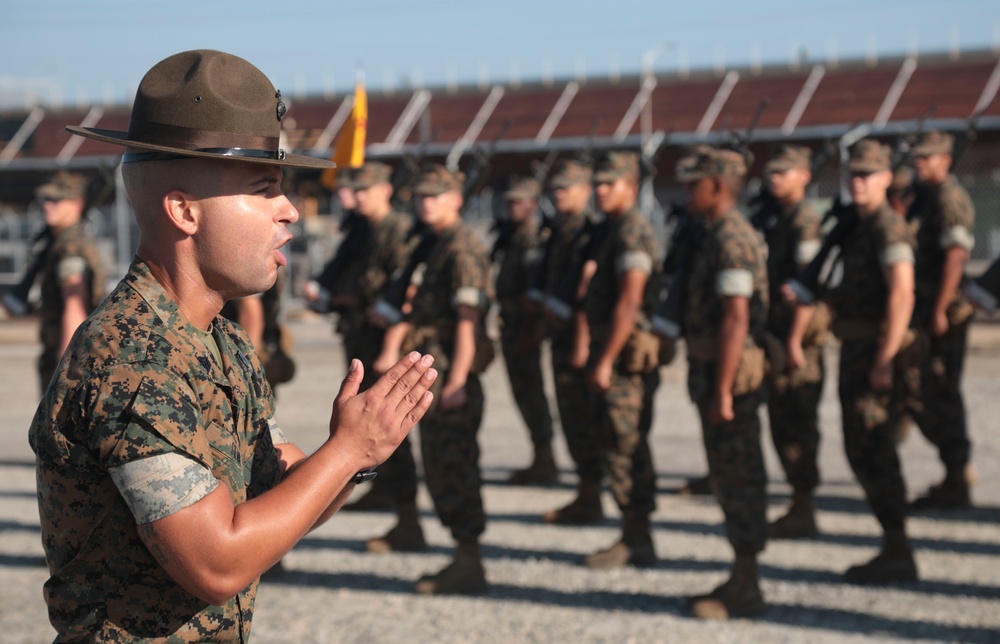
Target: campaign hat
207,104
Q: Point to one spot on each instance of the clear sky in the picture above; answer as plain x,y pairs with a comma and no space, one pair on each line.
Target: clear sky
68,50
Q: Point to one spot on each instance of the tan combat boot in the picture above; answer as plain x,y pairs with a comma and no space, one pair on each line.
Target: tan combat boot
739,596
406,536
542,471
585,509
799,522
697,486
464,575
895,564
634,549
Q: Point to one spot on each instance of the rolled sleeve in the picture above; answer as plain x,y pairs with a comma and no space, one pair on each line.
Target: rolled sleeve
896,253
635,260
71,267
469,296
807,250
957,237
158,486
277,436
734,282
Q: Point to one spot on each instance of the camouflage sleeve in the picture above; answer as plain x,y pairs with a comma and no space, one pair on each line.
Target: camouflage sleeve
635,248
469,280
896,241
957,218
158,486
277,436
71,267
737,261
808,234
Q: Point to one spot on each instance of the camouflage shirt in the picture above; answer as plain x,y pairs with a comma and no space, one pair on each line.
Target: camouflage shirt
73,252
876,242
729,263
792,241
944,218
386,252
138,388
519,262
631,245
456,274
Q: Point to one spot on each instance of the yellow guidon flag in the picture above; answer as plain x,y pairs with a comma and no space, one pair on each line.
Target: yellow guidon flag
350,149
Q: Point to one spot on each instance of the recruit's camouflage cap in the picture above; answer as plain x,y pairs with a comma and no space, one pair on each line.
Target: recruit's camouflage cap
934,142
370,173
789,156
705,161
436,179
343,179
523,188
868,155
616,165
63,185
569,172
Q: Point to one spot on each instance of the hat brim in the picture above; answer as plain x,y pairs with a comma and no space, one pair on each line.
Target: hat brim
121,138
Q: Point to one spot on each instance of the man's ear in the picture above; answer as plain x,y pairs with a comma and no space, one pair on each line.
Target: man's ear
182,211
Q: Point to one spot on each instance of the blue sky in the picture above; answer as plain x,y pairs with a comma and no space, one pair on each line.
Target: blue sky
66,50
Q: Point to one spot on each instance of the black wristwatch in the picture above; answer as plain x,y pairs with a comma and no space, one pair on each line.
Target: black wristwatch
364,475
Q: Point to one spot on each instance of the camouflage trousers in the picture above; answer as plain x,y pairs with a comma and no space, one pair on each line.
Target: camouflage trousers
625,412
576,413
869,419
792,409
736,466
450,448
524,371
398,475
939,410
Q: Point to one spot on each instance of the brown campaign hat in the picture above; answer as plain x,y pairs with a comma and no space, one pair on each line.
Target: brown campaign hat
705,161
63,185
934,142
789,156
523,188
868,155
569,172
615,165
205,103
370,173
436,179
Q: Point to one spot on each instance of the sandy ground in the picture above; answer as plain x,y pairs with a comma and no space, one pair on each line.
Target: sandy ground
335,592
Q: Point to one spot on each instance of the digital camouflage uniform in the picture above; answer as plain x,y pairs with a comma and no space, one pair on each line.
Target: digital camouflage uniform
625,411
944,220
386,251
457,274
730,262
524,363
859,307
73,252
793,398
141,421
576,406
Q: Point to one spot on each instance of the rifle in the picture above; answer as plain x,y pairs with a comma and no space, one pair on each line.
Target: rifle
984,291
685,241
15,299
560,302
356,232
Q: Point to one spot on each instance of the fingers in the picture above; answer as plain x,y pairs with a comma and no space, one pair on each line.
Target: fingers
404,378
352,382
415,397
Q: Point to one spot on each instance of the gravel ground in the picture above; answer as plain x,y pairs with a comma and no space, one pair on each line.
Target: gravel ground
335,592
